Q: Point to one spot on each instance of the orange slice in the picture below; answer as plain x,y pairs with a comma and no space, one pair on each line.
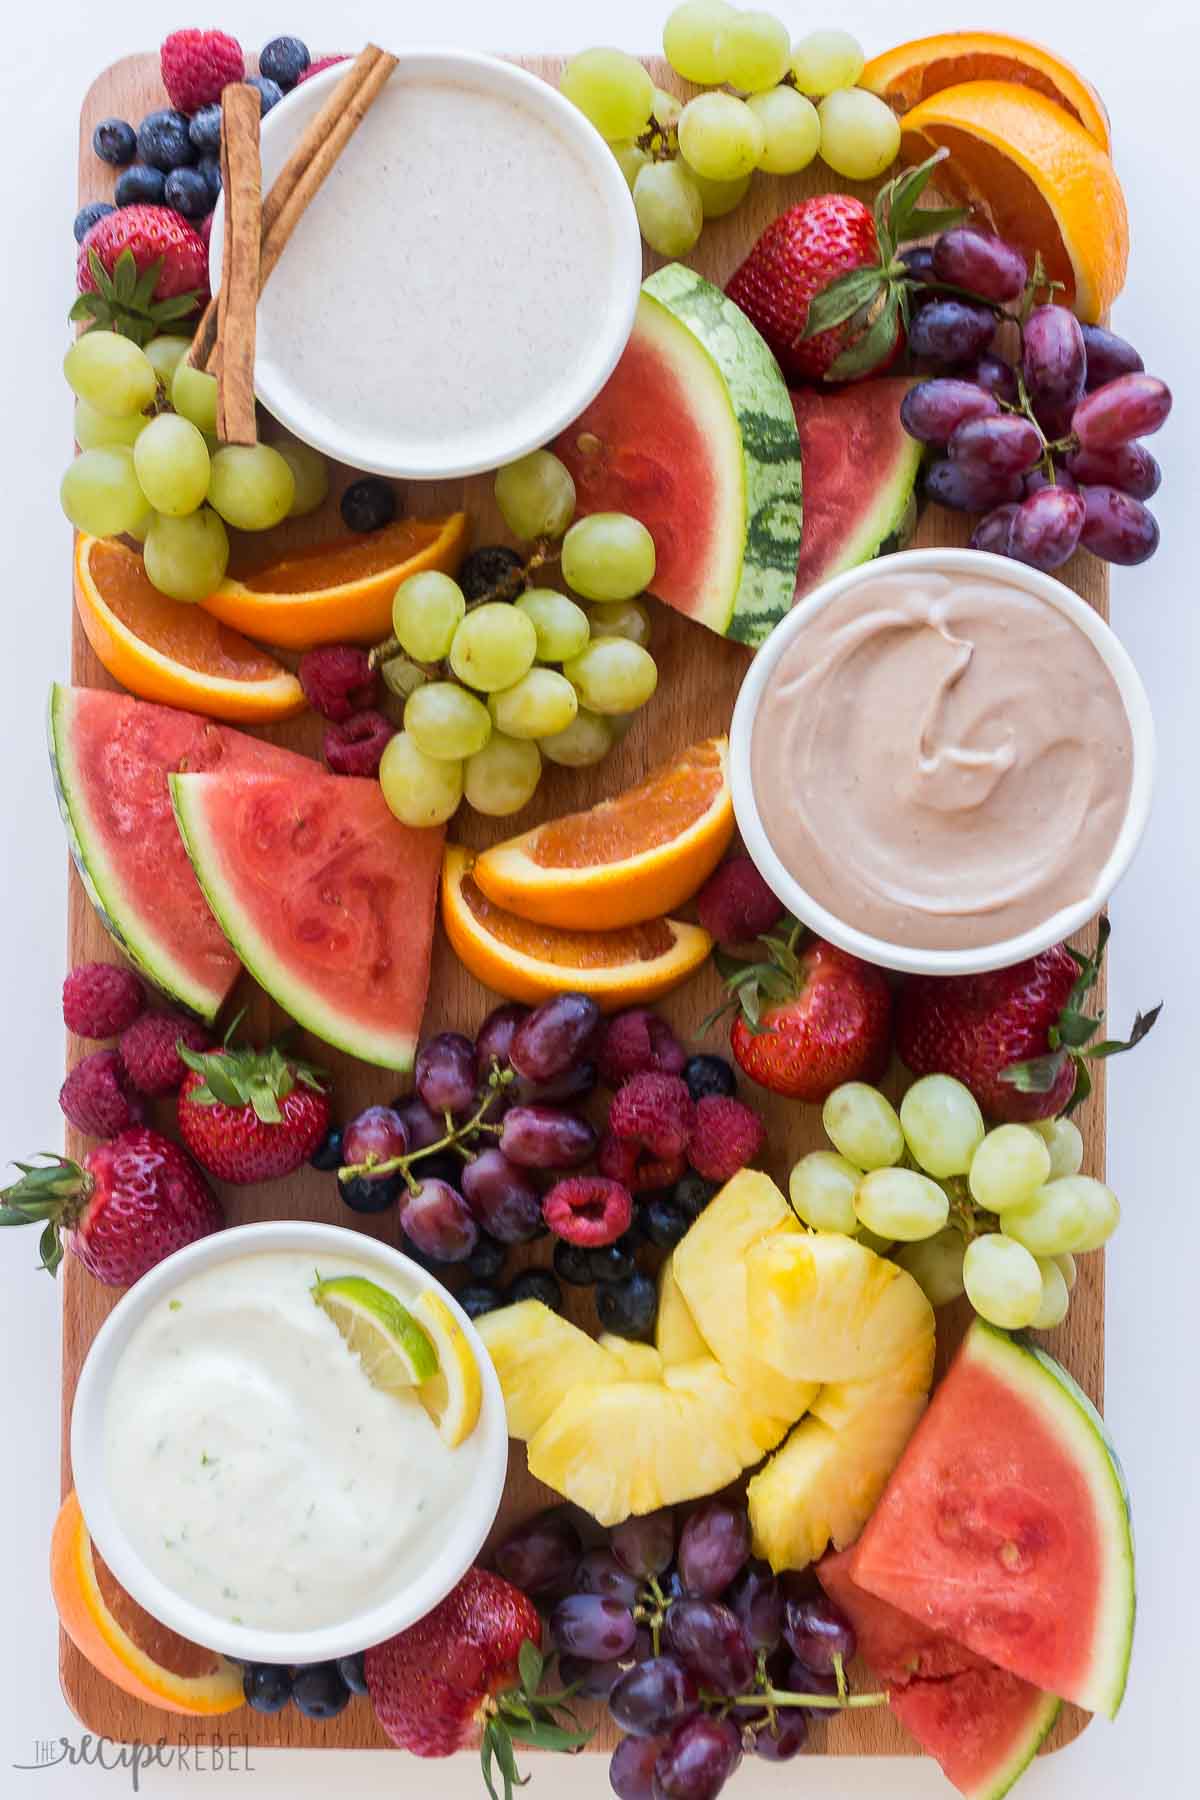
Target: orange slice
1045,183
121,1641
911,72
165,650
338,593
626,860
524,961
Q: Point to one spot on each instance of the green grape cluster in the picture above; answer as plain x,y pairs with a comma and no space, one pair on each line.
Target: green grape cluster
771,105
999,1215
492,689
151,467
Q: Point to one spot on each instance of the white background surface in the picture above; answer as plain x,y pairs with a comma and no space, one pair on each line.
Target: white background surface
1143,56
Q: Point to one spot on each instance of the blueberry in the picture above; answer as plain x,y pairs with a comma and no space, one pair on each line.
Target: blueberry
115,142
350,1668
693,1193
370,1193
445,1166
204,129
487,1258
328,1153
535,1284
162,140
210,168
613,1262
187,191
573,1263
479,1297
493,572
269,92
319,1691
665,1221
368,504
628,1307
139,184
87,215
707,1075
267,1686
284,60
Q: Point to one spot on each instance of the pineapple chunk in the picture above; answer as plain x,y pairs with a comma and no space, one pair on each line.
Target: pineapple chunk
676,1332
826,1307
641,1362
751,1430
540,1358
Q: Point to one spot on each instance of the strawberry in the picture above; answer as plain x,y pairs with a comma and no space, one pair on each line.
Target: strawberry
127,1205
196,65
251,1115
824,283
1017,1037
140,270
809,1018
466,1675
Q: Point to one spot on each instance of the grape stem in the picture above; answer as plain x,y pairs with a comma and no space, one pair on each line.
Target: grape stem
453,1140
773,1696
653,1612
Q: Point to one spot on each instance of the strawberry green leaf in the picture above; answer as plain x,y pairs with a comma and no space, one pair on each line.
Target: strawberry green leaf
848,295
50,1249
530,1665
1038,1075
868,351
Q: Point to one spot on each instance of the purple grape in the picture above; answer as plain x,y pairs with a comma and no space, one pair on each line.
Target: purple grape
1108,356
713,1546
1129,467
631,1771
709,1639
951,331
918,260
556,1034
599,1572
590,1680
502,1197
998,377
545,1137
967,258
1008,445
967,490
653,1696
817,1631
992,531
1045,529
1130,407
445,1073
374,1136
788,1737
593,1626
931,409
439,1222
1037,479
644,1544
541,1554
1053,360
1116,527
800,1680
756,1599
698,1760
574,1083
494,1038
422,1127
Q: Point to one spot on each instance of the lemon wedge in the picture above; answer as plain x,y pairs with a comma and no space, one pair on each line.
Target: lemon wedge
453,1396
395,1351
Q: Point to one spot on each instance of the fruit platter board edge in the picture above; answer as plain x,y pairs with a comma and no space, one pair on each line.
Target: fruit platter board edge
699,678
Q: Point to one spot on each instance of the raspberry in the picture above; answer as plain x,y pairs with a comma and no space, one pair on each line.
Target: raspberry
735,904
149,1058
94,1097
638,1042
196,65
322,62
101,999
725,1137
356,747
620,1160
338,680
588,1210
654,1111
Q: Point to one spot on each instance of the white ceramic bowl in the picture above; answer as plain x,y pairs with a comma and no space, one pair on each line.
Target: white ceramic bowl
1058,925
467,1522
280,376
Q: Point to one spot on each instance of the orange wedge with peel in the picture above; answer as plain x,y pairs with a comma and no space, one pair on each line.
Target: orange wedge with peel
1043,180
625,860
912,72
526,961
121,1641
169,651
341,592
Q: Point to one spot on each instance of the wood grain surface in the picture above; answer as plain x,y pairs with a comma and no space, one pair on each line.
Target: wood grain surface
699,679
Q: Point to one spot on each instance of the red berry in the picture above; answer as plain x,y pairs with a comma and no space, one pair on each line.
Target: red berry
619,1159
282,1117
638,1042
196,65
149,1055
588,1210
735,904
338,680
726,1137
101,999
148,233
356,746
95,1099
655,1112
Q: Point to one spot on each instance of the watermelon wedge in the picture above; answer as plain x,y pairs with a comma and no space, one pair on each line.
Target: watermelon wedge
111,756
981,1724
1006,1525
327,898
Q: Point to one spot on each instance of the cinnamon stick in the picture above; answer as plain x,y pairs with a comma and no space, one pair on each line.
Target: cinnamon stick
237,305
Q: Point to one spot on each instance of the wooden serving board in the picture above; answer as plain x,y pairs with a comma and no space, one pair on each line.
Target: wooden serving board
699,678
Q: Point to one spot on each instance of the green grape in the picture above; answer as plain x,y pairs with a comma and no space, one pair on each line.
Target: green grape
754,51
310,474
111,373
194,396
942,1124
668,206
445,721
502,777
666,108
140,527
493,647
935,1264
1103,1211
402,677
623,619
1064,1140
871,1241
861,1123
536,496
613,676
1056,1296
187,558
251,486
608,556
562,627
821,1188
901,1204
172,463
95,431
1066,1263
720,136
428,609
690,40
100,493
419,789
1002,1281
1074,1213
860,134
542,703
825,61
631,159
586,740
1008,1168
610,88
791,130
165,354
719,197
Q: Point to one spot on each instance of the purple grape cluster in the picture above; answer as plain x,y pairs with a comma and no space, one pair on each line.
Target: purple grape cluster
1047,446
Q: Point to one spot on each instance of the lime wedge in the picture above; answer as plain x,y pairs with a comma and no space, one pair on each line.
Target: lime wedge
394,1350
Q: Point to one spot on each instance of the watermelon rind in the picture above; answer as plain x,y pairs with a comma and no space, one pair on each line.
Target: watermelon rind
1019,1754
